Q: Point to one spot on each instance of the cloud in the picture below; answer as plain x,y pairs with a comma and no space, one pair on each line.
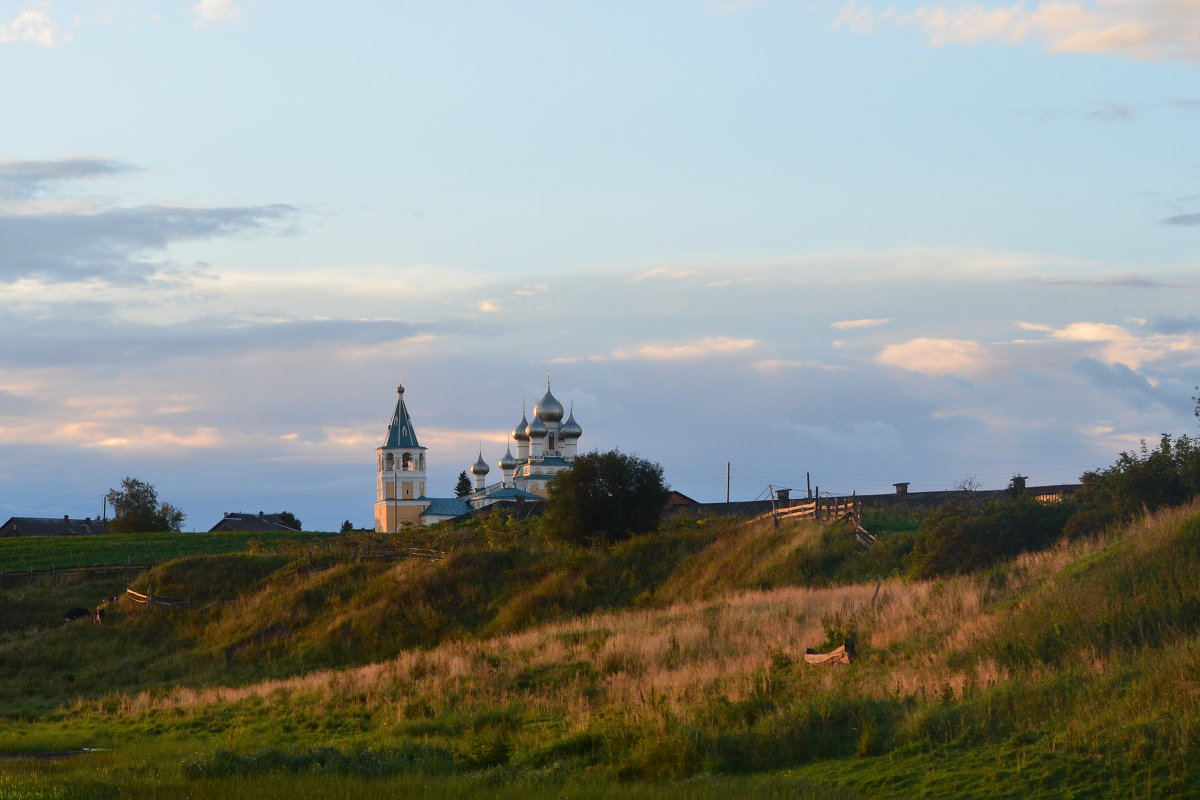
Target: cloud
533,289
1117,377
32,25
878,439
92,339
686,351
1174,325
1151,30
770,365
80,242
721,284
938,357
114,244
1109,112
26,180
1113,282
486,306
1116,344
664,273
728,7
847,324
1186,220
215,12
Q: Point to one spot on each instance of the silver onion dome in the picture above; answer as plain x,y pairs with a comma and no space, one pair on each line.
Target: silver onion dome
507,462
548,408
480,467
536,429
570,428
519,433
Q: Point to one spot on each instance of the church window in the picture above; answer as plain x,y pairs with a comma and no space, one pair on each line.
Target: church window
389,462
406,462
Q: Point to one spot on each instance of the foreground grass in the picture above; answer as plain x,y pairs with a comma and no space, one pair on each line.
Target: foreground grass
1065,673
74,783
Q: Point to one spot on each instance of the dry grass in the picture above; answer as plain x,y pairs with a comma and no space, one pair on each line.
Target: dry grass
666,660
650,664
746,556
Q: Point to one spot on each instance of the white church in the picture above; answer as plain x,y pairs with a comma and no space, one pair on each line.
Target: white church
545,446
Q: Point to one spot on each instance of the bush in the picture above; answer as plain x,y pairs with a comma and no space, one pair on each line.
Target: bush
1138,482
962,536
605,497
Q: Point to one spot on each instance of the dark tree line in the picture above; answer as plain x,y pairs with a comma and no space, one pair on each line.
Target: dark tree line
966,535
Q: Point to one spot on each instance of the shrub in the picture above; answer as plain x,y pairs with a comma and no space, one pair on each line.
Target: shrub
962,536
605,497
1143,481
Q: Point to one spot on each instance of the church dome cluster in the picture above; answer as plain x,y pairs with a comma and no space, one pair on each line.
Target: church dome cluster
545,446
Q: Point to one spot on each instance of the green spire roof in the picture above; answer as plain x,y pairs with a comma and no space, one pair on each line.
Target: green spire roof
400,432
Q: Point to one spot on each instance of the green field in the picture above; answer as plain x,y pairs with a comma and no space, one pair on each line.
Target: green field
670,665
24,553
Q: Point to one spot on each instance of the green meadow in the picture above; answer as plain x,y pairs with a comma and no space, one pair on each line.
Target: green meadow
21,554
668,665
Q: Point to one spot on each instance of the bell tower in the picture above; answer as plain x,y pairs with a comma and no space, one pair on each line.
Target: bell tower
400,469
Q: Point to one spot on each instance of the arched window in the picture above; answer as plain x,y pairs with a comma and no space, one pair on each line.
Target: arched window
406,462
389,463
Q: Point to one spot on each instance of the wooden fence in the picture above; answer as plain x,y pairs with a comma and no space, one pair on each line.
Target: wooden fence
95,569
818,508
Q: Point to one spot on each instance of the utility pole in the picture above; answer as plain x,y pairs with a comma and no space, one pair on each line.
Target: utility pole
727,481
808,484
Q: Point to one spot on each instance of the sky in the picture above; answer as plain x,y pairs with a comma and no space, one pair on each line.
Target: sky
843,241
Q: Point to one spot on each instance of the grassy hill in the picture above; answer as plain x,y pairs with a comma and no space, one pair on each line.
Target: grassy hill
670,665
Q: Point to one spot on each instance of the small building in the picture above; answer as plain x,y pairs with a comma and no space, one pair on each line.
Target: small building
675,498
53,526
260,522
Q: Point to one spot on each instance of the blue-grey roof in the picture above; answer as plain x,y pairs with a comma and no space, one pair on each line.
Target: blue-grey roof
52,526
237,521
400,432
548,461
511,493
446,507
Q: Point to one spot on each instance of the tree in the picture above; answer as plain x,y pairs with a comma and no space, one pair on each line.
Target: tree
605,497
136,509
1166,475
347,526
962,536
289,519
462,487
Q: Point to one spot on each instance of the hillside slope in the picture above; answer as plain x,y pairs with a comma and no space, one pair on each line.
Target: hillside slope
1068,672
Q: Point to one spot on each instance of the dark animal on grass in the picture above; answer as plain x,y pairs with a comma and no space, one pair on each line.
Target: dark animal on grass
75,613
98,614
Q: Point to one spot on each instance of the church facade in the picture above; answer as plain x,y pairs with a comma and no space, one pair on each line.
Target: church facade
545,446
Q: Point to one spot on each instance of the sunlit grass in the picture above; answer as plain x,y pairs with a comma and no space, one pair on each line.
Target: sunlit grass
699,692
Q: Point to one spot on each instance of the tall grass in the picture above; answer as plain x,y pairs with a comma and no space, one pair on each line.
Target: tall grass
1066,671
